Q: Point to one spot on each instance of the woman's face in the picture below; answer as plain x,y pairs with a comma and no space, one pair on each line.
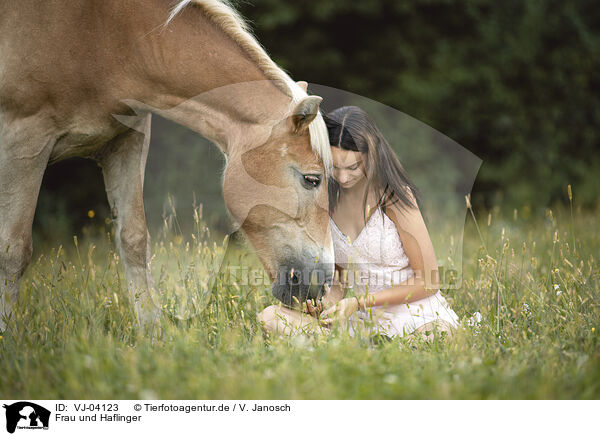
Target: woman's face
348,167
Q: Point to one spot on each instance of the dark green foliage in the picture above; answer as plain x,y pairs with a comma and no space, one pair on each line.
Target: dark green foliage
514,82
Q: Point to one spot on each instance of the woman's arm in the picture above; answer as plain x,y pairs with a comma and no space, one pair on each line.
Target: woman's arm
338,288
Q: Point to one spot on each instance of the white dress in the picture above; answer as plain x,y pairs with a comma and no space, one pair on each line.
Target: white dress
375,260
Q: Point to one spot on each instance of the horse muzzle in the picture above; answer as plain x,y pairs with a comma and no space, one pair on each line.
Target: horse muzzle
298,281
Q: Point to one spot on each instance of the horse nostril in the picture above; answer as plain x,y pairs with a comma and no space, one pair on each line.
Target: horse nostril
295,279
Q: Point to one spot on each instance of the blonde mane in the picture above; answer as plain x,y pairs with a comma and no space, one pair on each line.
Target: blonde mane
230,21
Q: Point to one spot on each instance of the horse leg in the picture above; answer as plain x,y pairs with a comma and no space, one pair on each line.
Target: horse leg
123,162
22,167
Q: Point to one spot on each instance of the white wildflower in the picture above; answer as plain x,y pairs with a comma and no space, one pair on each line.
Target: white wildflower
475,320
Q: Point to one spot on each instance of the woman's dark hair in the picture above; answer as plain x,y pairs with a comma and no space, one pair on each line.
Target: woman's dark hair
350,128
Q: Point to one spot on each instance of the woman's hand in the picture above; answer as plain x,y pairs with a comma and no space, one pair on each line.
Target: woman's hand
340,311
332,295
312,308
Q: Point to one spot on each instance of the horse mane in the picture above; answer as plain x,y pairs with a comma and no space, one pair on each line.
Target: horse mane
231,22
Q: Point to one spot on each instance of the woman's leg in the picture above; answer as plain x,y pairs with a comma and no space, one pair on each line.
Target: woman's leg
282,320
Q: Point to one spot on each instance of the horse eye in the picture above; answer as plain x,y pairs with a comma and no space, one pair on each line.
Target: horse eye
311,181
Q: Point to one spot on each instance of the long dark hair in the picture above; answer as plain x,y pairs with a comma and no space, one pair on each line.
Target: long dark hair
350,128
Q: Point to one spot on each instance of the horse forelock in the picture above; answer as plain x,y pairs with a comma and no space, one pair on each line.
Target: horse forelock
319,140
229,20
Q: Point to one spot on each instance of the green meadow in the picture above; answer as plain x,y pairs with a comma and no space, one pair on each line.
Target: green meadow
534,279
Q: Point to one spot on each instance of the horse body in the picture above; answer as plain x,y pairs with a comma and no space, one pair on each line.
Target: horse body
82,79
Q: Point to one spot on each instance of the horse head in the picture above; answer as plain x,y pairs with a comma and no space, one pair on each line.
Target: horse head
276,190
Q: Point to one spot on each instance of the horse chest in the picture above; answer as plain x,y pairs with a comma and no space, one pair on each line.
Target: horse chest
84,143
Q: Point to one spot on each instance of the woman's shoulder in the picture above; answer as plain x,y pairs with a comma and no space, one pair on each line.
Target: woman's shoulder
408,221
399,210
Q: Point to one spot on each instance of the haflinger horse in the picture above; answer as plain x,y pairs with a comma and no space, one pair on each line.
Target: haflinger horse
83,78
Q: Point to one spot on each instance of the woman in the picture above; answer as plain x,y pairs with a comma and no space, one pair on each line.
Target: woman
383,252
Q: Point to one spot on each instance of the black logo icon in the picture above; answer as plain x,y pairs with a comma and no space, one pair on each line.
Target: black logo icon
26,415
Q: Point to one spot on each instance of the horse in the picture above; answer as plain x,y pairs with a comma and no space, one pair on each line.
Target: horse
84,78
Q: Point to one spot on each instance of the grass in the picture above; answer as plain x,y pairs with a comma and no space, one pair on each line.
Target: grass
535,281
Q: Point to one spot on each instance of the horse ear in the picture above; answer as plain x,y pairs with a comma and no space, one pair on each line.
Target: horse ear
302,84
305,112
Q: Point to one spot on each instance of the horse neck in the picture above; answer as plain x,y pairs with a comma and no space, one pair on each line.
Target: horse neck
198,76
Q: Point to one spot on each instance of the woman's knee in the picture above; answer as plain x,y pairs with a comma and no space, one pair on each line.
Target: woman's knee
268,318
